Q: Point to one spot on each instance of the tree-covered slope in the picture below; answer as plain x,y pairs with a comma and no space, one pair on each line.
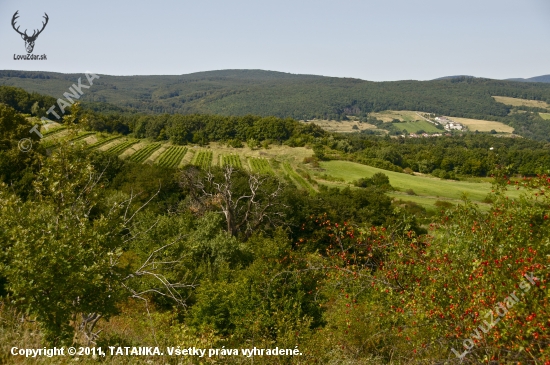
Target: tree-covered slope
265,93
543,78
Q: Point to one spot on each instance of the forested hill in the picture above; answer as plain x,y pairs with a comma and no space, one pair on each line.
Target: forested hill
543,78
240,92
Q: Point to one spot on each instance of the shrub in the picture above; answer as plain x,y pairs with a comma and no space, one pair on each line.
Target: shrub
314,161
253,143
443,204
379,180
235,143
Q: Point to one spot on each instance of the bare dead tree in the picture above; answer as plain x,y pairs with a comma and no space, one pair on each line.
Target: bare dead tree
87,327
152,267
244,211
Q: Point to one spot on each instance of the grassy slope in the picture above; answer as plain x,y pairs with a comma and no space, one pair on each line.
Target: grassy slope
421,185
484,125
415,127
521,102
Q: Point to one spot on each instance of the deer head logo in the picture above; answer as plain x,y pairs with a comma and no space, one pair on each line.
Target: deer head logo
29,40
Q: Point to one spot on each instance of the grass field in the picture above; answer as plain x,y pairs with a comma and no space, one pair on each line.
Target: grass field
545,115
402,115
342,126
415,127
521,102
483,125
421,185
411,121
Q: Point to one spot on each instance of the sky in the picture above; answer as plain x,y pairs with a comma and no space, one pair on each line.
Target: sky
381,40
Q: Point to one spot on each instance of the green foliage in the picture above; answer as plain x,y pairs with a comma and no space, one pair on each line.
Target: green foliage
444,204
23,102
235,143
260,301
349,275
379,180
17,168
58,262
415,297
449,157
252,143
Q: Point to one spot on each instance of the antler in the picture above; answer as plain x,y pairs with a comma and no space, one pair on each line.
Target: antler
15,16
34,35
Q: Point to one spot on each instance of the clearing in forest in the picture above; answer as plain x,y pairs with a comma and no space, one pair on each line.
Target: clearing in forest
417,127
422,186
402,115
483,125
521,102
345,126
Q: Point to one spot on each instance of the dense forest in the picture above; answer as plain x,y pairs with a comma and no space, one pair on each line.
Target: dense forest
446,157
302,97
98,251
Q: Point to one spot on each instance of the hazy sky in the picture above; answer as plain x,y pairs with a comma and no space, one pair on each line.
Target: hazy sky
372,40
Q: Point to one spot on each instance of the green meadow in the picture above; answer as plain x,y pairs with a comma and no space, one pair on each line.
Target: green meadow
426,188
415,127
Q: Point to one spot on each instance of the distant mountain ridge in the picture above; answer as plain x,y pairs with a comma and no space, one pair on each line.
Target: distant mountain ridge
543,78
455,77
303,97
